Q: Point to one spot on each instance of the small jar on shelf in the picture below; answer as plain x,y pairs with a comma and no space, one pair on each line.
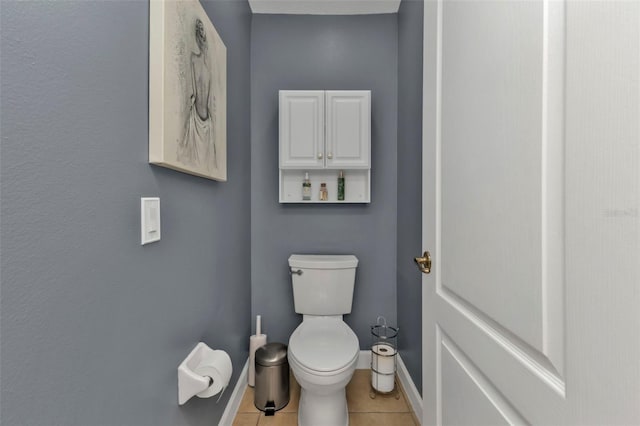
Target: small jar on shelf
324,194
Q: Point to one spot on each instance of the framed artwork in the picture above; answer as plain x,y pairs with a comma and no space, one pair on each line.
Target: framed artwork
187,90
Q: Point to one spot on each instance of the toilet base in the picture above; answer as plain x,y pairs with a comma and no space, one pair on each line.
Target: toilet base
321,410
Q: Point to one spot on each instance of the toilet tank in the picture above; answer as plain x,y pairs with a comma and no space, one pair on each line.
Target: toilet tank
324,285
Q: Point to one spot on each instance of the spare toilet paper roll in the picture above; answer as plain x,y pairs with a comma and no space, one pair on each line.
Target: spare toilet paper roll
382,382
383,358
216,365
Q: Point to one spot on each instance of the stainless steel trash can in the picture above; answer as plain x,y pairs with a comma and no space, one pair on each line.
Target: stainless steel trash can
272,378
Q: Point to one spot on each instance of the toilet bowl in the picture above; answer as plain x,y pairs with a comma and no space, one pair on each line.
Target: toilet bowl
323,353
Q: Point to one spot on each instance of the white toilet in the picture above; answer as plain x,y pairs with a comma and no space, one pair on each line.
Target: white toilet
323,350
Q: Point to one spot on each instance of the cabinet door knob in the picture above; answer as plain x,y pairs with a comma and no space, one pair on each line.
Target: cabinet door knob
319,156
330,156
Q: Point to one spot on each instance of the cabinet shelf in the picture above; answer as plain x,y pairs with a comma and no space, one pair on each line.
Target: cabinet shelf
357,186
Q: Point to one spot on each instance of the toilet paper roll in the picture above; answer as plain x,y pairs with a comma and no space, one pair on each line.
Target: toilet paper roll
216,365
383,358
382,382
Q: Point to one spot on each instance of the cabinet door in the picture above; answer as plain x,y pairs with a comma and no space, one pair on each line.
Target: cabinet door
348,128
302,129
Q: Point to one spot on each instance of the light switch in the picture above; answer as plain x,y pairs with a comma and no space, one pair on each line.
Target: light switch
149,219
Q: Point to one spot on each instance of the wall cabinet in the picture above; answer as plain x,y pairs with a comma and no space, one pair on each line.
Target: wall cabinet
321,133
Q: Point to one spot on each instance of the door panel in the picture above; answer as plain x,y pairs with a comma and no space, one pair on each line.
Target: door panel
512,326
348,129
302,129
468,397
494,80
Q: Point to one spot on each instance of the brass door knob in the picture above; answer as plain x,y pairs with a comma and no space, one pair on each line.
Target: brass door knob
424,262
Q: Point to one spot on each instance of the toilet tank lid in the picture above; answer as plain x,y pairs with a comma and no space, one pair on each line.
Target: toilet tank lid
323,261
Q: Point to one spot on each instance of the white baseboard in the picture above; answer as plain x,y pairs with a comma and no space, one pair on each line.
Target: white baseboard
410,389
364,360
364,363
231,409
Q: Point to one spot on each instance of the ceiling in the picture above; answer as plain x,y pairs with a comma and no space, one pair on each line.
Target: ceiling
325,7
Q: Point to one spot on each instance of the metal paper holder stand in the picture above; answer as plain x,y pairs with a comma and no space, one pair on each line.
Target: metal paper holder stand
384,351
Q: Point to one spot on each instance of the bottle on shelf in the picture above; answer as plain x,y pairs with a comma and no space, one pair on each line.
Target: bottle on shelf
341,185
324,194
306,187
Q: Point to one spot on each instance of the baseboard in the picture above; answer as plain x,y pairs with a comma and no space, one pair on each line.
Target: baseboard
410,389
364,360
231,409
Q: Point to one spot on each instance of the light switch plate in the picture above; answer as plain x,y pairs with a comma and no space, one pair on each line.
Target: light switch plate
149,220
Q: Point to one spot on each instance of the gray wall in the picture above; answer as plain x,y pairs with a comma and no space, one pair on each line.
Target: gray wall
93,325
410,22
323,52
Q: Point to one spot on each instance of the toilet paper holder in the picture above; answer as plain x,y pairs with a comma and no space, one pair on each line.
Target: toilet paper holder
196,371
384,354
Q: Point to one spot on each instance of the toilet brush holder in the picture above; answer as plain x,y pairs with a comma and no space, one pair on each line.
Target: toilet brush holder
384,357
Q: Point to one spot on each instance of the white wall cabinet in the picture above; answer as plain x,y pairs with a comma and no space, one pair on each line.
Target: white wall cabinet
321,133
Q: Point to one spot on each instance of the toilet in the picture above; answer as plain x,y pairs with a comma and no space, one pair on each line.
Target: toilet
323,350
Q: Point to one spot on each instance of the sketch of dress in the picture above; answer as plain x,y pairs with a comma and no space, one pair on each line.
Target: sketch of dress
197,147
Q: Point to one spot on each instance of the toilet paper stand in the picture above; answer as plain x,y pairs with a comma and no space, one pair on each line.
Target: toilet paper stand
384,354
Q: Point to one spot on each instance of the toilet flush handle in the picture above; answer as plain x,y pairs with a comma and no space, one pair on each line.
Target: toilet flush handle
298,272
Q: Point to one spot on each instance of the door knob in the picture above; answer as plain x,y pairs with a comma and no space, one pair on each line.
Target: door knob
424,262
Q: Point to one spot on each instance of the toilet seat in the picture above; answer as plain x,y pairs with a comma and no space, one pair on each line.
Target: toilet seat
323,346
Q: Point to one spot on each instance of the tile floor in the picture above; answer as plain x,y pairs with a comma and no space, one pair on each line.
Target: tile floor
383,410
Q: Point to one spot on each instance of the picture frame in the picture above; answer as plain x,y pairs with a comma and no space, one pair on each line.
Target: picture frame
187,90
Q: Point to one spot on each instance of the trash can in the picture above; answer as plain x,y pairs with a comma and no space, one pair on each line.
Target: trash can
272,378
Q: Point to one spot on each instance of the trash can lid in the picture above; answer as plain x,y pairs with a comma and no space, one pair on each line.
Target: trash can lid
271,354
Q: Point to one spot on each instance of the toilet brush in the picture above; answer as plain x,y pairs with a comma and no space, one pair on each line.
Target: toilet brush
255,341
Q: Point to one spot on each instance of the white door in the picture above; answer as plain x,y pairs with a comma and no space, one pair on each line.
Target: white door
531,204
348,129
301,129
